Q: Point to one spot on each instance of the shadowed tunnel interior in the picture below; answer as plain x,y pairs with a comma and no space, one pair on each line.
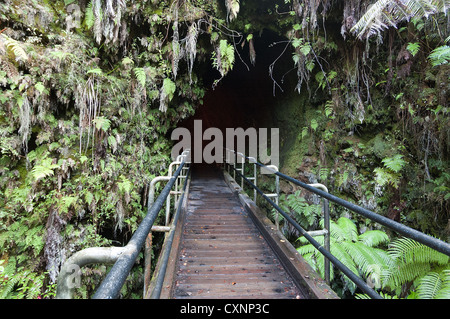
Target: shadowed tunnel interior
245,96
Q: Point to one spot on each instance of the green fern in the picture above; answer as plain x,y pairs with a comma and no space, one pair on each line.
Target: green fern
223,57
102,123
430,286
141,76
329,108
384,177
372,238
382,294
44,169
306,214
412,260
346,228
394,163
398,275
357,252
125,186
15,50
89,18
386,13
408,251
440,55
167,92
413,48
444,292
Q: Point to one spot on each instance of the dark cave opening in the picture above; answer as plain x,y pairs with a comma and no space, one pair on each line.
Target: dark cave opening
248,96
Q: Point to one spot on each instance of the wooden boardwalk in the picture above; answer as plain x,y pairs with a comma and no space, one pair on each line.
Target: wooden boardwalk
222,254
224,247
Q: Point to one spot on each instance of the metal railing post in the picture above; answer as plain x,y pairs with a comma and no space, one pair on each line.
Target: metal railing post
326,230
254,178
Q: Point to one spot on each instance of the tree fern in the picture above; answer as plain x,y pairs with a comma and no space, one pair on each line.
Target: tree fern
363,256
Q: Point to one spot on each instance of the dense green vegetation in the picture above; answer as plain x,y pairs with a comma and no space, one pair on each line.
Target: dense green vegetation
90,90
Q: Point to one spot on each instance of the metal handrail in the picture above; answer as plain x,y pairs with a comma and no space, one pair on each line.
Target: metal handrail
350,274
114,280
326,210
159,278
429,241
150,201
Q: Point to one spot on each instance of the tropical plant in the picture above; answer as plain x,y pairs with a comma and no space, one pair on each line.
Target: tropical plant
440,55
223,57
304,213
434,285
167,92
387,13
390,173
411,261
356,251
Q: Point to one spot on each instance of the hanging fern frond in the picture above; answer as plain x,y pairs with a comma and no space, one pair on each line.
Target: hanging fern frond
232,9
387,13
191,47
140,76
14,49
167,91
89,18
